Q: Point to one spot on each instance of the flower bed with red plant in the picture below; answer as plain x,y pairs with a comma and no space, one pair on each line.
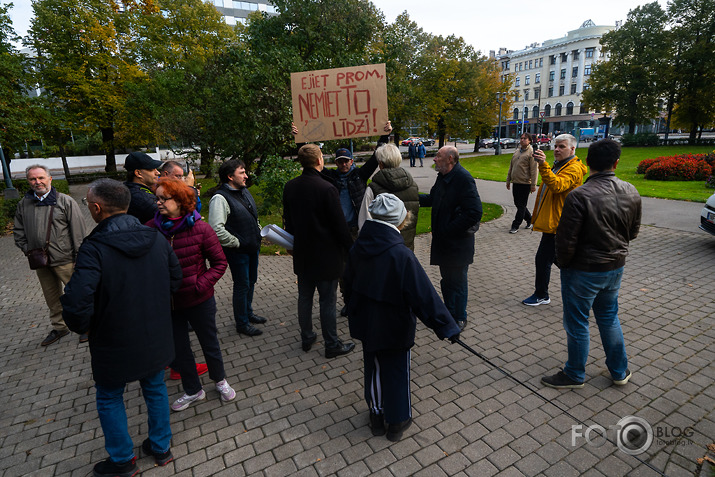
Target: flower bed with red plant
685,167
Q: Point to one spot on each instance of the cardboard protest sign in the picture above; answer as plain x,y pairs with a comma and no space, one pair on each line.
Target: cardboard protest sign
339,103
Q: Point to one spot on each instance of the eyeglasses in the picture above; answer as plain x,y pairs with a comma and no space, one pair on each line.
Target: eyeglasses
162,199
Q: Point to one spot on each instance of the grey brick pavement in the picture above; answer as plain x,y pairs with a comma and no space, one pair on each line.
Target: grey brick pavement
299,414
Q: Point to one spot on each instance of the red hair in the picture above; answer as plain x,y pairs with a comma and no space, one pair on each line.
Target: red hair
180,192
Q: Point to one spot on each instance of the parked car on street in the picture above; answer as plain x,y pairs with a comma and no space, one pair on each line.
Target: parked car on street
409,140
488,142
707,216
427,141
542,139
459,140
508,142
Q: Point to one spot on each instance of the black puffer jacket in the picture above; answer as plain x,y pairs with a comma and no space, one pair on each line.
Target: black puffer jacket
120,292
598,221
399,182
143,204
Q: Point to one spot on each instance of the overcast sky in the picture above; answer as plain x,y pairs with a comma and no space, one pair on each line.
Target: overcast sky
484,25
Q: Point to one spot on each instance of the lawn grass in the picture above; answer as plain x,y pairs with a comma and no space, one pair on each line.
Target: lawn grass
495,168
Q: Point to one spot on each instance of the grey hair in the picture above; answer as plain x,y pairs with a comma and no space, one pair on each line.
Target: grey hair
37,166
389,156
566,137
113,195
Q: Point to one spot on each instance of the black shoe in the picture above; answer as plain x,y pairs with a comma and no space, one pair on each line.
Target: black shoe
394,431
107,468
259,320
462,324
54,336
560,381
248,330
161,458
514,230
341,349
344,311
307,344
377,424
83,338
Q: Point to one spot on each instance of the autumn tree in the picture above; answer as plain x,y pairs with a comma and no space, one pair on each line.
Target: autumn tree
630,81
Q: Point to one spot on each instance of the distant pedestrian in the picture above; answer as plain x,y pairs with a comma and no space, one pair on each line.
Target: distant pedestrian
234,217
421,152
598,221
195,243
386,290
556,183
521,179
142,175
120,293
49,224
412,152
456,212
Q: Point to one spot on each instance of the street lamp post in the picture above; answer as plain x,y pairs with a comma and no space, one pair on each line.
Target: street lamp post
501,97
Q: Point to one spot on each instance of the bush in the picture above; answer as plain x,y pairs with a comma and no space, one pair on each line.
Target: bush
679,168
640,139
646,163
275,171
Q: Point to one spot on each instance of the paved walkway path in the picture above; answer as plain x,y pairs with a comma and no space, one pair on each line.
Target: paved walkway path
300,414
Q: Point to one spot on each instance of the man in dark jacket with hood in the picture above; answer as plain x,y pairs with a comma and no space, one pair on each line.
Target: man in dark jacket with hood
456,212
120,293
386,289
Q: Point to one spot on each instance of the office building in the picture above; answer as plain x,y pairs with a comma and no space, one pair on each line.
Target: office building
236,12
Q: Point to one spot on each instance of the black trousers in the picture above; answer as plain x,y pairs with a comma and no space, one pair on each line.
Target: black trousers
545,256
387,384
521,197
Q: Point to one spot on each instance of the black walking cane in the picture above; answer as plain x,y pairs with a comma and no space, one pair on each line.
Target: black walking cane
533,390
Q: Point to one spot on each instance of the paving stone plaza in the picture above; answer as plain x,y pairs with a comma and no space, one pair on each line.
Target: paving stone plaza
300,414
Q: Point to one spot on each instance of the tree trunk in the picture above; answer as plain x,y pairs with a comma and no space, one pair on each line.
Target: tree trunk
206,162
693,132
632,127
108,141
476,143
441,131
65,166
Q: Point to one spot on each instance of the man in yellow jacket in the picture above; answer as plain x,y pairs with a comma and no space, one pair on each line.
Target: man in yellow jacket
556,183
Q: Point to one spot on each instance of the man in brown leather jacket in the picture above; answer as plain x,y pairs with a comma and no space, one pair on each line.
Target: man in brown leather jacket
598,221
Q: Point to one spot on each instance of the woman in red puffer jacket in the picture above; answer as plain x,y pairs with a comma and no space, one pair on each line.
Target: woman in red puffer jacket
194,242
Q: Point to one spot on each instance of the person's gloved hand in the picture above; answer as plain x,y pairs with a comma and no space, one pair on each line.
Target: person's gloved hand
454,338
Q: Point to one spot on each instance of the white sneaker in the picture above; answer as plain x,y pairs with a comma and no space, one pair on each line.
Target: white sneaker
185,401
225,390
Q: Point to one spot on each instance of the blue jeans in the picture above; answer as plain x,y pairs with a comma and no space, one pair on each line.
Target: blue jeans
455,290
244,270
581,291
113,417
328,295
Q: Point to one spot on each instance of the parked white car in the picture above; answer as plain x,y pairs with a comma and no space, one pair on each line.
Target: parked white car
707,216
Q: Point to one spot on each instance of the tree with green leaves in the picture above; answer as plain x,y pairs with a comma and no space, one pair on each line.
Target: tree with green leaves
15,105
631,80
693,35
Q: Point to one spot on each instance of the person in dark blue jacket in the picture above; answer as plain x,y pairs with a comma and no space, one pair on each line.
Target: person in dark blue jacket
120,294
386,289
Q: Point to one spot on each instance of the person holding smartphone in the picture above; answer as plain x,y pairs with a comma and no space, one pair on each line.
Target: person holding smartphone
521,180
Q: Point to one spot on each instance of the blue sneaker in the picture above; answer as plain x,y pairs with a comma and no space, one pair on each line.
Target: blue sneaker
533,300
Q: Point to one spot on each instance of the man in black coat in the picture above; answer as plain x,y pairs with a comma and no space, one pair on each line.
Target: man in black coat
456,212
142,176
312,213
120,294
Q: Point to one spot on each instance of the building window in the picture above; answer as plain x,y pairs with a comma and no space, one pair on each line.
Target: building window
218,3
516,113
520,65
561,90
526,79
526,113
541,62
537,78
587,70
563,73
230,20
530,63
526,95
564,57
551,91
589,52
516,96
574,53
535,112
537,93
552,75
552,59
583,109
547,110
517,81
585,87
557,110
569,108
573,88
574,72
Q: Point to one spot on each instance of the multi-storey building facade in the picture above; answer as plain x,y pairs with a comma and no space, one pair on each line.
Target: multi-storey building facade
236,12
548,82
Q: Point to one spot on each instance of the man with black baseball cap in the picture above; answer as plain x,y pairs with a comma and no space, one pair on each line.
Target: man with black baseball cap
142,175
